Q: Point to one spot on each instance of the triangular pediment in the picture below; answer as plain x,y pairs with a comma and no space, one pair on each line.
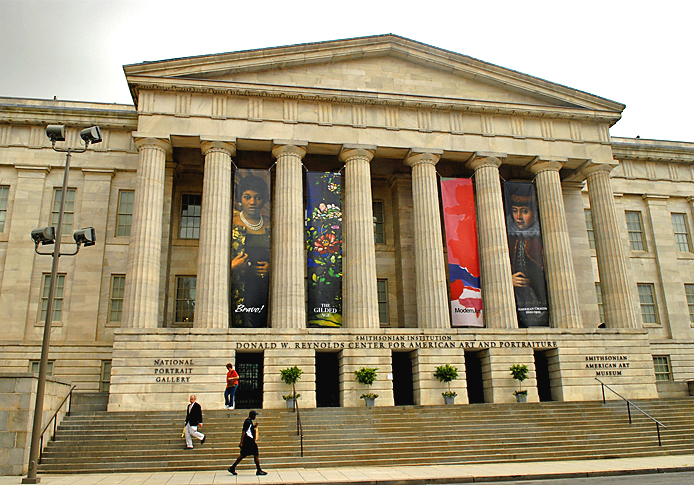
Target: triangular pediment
382,68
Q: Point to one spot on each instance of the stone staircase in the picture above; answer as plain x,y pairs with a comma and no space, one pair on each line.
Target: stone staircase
404,435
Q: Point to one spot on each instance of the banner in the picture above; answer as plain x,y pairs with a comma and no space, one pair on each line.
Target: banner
525,250
324,246
463,258
250,249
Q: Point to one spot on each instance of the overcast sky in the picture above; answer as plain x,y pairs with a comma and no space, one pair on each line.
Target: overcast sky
634,52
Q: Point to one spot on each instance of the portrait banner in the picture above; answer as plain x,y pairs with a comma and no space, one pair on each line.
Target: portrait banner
250,249
460,222
324,248
525,251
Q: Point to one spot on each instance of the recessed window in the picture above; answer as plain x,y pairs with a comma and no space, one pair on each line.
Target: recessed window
689,291
679,225
589,228
68,209
637,239
115,304
4,195
382,287
601,307
57,297
105,379
663,369
124,218
379,235
185,299
34,367
649,310
191,209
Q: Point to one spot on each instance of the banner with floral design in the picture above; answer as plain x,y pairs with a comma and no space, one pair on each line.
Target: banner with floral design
324,247
463,258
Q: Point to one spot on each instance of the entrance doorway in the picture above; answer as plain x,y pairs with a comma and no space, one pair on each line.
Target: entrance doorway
403,389
327,380
249,394
544,388
473,378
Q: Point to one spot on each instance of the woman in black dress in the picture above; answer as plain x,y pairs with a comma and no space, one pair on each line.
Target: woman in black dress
248,445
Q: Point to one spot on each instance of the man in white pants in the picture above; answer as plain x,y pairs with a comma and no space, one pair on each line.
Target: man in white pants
193,420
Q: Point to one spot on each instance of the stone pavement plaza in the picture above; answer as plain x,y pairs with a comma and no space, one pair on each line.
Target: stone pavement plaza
397,475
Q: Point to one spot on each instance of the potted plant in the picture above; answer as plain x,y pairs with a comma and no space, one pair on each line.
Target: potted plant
447,373
367,375
520,373
290,376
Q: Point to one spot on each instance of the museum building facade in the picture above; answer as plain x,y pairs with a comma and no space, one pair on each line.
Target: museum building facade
347,204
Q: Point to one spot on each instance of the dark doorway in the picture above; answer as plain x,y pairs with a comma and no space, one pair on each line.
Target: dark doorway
544,389
473,376
327,380
249,395
403,390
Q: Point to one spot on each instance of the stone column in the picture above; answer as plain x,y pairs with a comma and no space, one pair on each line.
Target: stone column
359,293
612,262
212,287
430,271
498,299
559,267
287,293
141,299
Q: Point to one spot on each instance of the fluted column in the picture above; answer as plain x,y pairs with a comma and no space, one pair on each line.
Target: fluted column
212,287
559,267
359,293
498,298
612,262
432,301
141,299
287,293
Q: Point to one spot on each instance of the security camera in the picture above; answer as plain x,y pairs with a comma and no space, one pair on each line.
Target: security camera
91,135
43,235
55,132
86,236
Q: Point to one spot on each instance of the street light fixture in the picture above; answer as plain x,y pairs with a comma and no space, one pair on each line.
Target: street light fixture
51,235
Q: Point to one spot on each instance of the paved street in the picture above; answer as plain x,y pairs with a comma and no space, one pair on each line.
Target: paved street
672,478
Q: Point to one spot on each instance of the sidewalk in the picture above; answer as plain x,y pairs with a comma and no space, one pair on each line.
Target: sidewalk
398,475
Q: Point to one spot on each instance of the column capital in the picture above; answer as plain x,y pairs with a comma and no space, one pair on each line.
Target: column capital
155,142
289,147
422,155
357,151
590,167
228,147
541,164
485,159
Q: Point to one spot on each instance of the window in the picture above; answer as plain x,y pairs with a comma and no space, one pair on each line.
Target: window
105,380
57,297
115,305
601,307
185,299
124,218
191,205
68,211
379,235
382,287
663,369
4,195
649,312
635,228
689,291
34,367
679,225
589,228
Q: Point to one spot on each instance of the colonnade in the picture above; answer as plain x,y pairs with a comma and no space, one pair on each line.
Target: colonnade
360,301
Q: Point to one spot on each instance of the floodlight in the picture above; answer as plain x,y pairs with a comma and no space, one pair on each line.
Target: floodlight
43,235
55,132
86,236
91,135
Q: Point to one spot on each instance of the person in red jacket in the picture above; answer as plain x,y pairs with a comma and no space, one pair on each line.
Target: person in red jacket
232,384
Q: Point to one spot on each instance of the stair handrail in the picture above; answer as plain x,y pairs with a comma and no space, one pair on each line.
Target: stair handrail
54,420
299,427
629,403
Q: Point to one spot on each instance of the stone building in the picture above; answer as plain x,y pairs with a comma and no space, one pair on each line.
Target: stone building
145,313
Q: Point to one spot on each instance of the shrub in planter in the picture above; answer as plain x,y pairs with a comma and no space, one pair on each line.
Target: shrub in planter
446,374
290,376
367,376
519,373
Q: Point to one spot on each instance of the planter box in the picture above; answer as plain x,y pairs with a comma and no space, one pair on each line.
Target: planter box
369,402
522,397
449,400
290,403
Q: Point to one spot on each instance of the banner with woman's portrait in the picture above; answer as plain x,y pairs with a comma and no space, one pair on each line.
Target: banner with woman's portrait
458,204
250,249
324,248
525,250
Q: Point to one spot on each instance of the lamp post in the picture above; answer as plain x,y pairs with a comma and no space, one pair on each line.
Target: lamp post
49,235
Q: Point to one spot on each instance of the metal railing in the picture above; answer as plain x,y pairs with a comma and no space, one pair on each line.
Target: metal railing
658,424
299,427
54,419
